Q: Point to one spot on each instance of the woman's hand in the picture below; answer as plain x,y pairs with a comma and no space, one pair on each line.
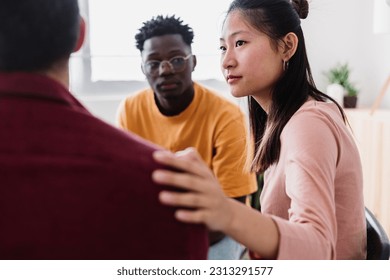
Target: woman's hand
203,200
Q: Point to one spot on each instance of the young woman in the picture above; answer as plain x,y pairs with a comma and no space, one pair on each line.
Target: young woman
312,201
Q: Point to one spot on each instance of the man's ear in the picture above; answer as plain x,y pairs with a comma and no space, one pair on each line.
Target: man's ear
81,38
194,61
290,45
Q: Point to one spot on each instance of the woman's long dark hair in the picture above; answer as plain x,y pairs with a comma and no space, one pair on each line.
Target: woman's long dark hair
276,18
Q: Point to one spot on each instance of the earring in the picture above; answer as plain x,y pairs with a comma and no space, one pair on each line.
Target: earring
285,65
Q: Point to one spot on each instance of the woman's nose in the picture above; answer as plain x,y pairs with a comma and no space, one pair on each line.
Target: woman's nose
227,60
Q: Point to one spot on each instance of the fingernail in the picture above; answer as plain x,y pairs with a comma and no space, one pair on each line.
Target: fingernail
160,154
156,175
157,154
164,197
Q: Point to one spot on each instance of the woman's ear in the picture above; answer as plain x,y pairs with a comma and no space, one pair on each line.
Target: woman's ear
81,37
290,45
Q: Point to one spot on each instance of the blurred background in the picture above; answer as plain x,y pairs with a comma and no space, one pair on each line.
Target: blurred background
336,32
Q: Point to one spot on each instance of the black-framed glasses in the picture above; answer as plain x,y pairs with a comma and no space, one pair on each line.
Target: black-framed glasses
177,64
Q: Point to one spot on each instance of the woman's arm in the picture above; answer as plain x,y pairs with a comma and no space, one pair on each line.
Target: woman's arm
204,202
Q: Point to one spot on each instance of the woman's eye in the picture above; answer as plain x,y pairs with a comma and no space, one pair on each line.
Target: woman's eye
222,48
240,43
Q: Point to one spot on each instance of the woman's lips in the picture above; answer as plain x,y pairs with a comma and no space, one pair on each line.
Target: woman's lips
232,79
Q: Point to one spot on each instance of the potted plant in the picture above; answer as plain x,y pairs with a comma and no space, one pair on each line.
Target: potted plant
340,75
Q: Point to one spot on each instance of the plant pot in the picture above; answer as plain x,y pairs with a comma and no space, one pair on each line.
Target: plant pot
336,91
350,101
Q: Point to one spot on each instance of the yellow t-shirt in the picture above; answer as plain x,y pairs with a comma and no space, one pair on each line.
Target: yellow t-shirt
212,124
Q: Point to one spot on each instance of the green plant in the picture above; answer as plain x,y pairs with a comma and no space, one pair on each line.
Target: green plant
340,75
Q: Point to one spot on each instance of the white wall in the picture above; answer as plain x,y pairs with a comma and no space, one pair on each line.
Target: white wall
335,31
341,31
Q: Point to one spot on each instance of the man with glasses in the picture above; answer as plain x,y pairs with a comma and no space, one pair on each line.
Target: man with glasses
177,113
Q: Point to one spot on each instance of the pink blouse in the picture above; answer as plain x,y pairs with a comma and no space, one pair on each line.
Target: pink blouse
315,191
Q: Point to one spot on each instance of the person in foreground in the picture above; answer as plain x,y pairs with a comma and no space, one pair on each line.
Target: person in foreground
72,186
176,113
312,201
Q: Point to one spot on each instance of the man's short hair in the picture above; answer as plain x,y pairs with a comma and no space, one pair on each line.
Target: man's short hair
161,25
34,34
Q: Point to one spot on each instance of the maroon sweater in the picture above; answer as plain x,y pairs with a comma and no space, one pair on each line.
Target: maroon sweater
74,187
